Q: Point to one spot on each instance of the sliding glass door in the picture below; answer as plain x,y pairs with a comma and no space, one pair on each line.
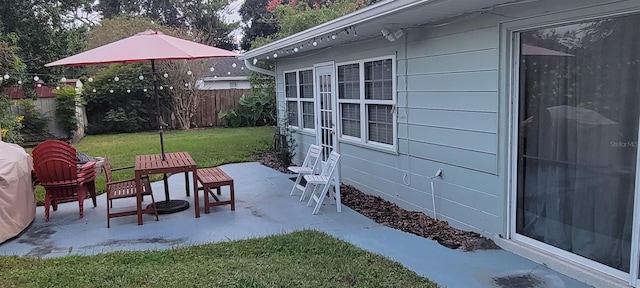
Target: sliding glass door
579,103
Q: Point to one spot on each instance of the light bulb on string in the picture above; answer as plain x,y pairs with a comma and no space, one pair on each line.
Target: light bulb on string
36,78
186,84
333,36
116,78
94,90
161,87
295,49
165,75
39,85
63,79
19,82
228,73
144,90
170,87
255,60
90,79
267,57
212,69
141,77
189,72
234,65
111,91
6,76
57,87
315,43
275,55
128,90
241,68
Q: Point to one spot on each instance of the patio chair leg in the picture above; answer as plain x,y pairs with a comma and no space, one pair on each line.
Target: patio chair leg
108,213
295,185
92,191
338,200
325,190
47,203
306,191
81,197
313,192
155,209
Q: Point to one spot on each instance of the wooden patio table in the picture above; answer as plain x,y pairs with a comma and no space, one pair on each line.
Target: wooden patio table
175,162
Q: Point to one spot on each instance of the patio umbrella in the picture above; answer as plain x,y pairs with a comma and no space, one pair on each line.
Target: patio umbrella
146,46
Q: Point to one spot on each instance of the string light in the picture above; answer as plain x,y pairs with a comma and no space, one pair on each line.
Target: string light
145,89
6,76
141,77
116,79
295,49
275,55
161,87
94,90
57,87
90,80
63,79
170,87
212,69
111,91
315,43
189,72
255,61
165,75
36,78
234,65
128,90
19,82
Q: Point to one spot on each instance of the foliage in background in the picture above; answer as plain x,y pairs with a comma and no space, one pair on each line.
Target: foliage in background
129,107
257,22
192,15
9,122
253,110
283,143
35,123
66,101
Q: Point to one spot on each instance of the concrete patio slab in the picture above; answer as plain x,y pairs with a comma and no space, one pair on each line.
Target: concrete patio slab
264,207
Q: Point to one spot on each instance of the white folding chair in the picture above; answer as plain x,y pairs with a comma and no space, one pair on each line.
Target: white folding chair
325,180
309,166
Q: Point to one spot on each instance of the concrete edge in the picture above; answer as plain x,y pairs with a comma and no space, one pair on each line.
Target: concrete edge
574,270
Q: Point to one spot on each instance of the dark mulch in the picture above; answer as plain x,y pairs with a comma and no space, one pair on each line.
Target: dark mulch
391,215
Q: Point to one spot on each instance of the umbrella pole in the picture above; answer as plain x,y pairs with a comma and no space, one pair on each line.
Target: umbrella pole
155,92
167,206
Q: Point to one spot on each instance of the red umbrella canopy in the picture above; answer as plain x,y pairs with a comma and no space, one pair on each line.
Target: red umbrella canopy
144,46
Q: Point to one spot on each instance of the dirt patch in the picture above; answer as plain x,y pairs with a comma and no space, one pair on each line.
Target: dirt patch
155,240
391,215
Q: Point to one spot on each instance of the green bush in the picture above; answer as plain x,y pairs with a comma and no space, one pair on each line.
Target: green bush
34,119
66,101
120,120
10,123
254,110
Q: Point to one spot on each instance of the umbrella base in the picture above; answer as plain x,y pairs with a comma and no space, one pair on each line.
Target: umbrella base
171,206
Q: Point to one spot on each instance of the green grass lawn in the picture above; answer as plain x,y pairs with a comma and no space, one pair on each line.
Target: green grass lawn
299,259
208,147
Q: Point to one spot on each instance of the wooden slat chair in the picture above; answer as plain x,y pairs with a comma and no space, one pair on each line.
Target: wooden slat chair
310,165
56,169
325,180
125,189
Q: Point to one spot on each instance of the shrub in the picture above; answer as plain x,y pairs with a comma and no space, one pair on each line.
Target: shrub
253,110
10,123
66,102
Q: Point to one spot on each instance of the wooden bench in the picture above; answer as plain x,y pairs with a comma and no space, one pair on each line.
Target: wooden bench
211,178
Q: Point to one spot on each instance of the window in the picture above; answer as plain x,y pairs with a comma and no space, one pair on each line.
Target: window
299,97
366,99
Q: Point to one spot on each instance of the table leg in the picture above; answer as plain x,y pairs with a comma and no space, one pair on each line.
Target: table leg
196,200
186,181
139,197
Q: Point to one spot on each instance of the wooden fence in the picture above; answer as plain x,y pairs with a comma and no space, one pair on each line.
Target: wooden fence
214,101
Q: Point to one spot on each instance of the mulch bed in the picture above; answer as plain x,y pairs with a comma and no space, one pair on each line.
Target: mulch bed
391,215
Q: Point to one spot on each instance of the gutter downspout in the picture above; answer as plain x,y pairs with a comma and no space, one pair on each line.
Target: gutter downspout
258,69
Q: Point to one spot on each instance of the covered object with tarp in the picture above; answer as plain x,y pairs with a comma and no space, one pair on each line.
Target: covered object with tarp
17,196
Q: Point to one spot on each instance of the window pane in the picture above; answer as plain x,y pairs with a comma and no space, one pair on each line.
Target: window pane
378,80
350,119
577,142
292,113
290,85
308,120
380,123
349,81
306,84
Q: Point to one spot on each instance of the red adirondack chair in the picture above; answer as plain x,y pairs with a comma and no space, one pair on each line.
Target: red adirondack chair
55,166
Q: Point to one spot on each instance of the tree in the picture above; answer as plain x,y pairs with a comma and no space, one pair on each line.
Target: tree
258,22
42,30
193,15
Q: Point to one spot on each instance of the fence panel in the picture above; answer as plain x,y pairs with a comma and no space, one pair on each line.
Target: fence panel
214,101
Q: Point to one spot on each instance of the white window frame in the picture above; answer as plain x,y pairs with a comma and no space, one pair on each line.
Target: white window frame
364,115
299,100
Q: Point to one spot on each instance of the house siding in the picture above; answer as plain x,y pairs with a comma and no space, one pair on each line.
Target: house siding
452,114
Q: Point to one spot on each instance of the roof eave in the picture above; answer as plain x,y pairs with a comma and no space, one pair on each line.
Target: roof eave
363,15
